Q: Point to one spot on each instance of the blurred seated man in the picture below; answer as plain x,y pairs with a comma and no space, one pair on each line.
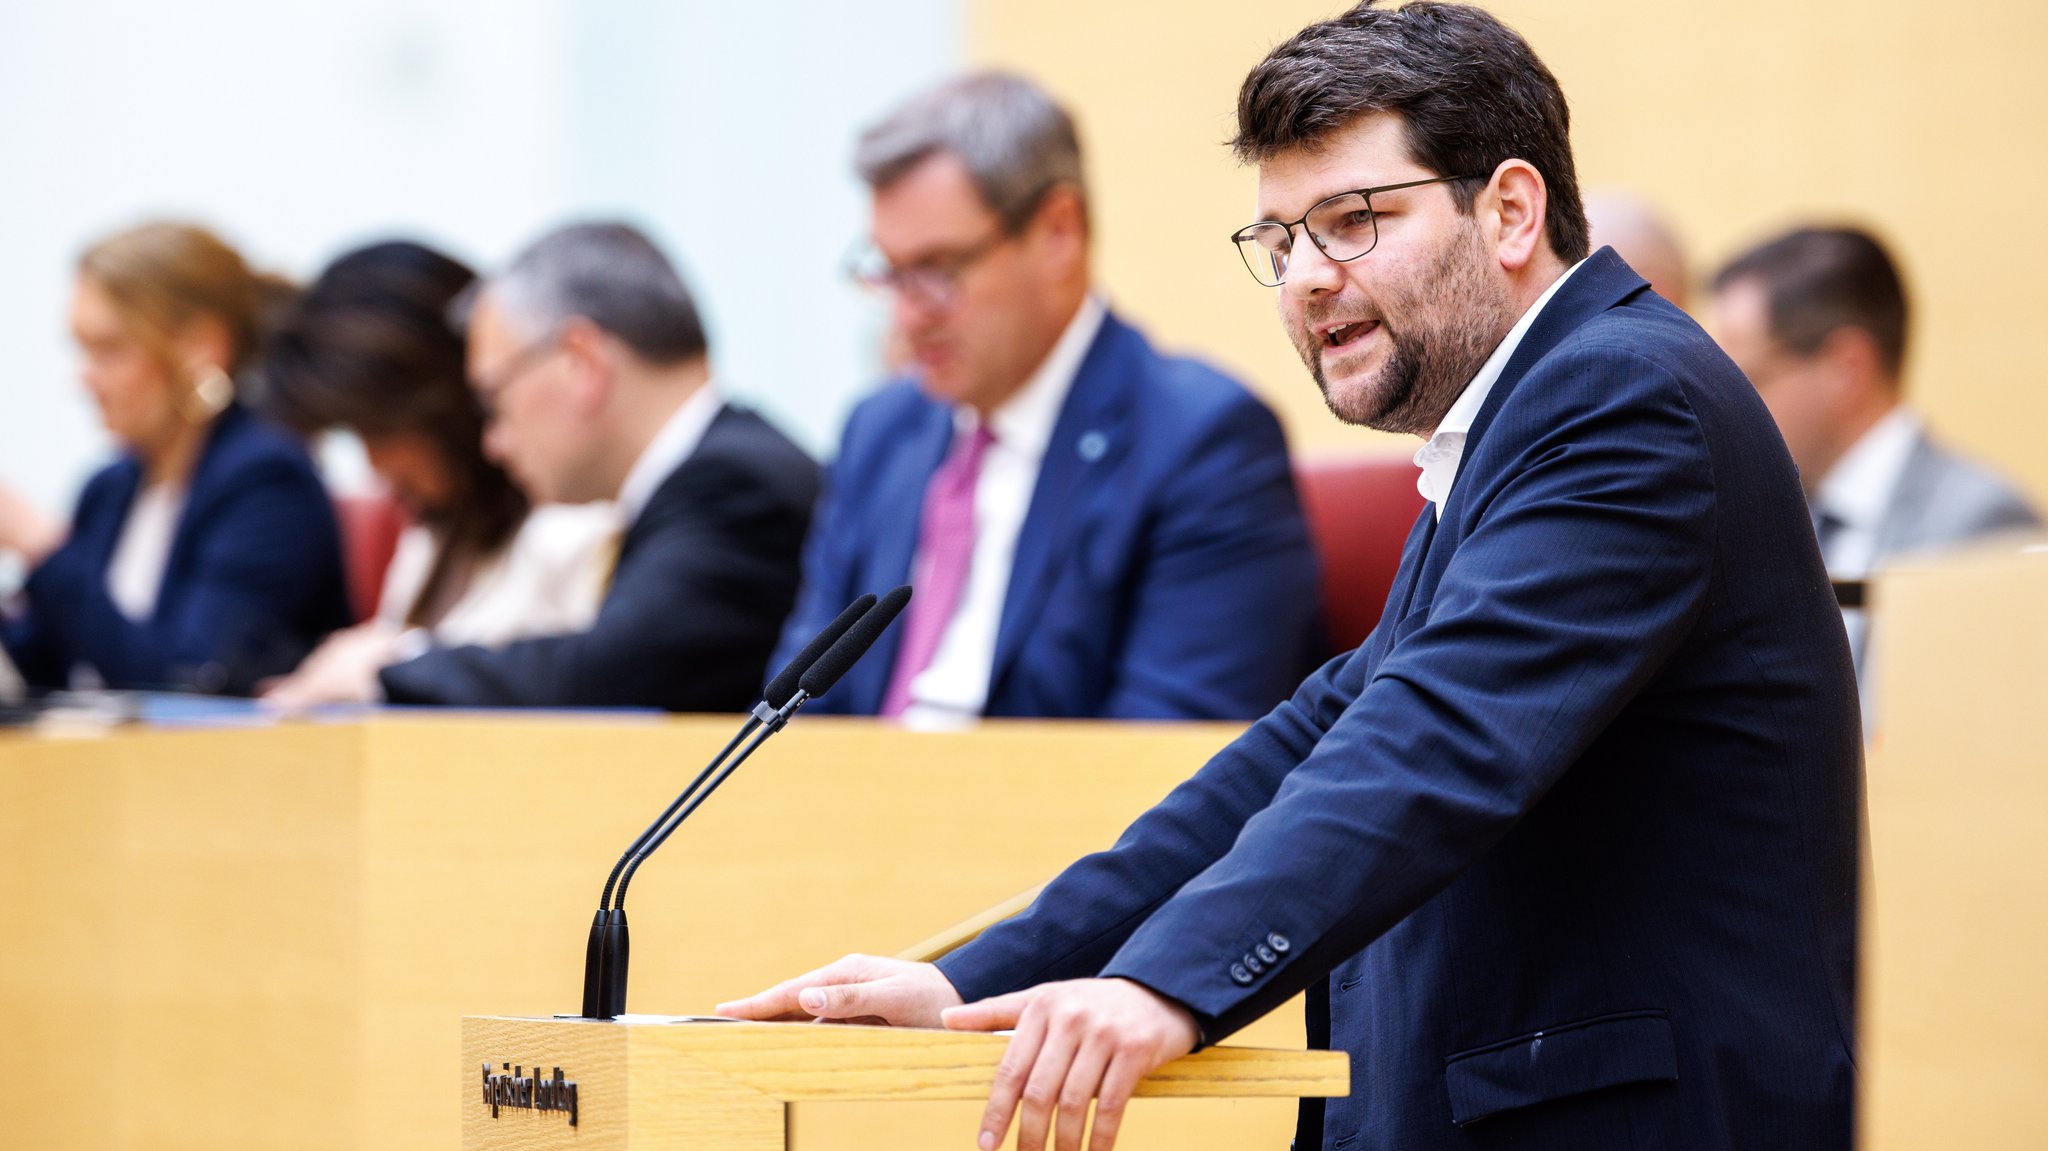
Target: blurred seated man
206,557
369,347
1817,320
592,367
1094,529
1639,234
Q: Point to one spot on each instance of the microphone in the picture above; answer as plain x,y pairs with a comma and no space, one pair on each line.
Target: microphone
603,995
842,655
809,675
815,681
785,682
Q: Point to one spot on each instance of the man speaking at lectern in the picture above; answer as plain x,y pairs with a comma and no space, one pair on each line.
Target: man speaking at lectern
1565,854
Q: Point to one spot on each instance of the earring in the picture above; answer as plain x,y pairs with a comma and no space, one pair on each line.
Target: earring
211,393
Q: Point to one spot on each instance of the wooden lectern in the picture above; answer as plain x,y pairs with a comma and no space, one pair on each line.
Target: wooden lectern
539,1084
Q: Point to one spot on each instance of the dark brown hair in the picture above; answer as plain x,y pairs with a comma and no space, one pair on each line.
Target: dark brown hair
1469,90
370,347
1817,281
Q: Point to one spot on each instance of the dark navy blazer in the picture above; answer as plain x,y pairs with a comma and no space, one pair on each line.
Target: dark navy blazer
705,575
1163,570
253,581
1566,852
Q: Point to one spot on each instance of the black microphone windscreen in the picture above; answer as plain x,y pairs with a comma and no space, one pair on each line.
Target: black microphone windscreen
785,682
854,644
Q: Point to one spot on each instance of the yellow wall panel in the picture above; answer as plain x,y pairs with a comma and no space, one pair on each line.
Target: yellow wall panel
1739,118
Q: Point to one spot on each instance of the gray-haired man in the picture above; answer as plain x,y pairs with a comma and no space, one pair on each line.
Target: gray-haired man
588,356
1094,529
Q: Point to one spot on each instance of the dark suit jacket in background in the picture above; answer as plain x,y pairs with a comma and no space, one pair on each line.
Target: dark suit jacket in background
1566,852
253,581
1163,570
704,578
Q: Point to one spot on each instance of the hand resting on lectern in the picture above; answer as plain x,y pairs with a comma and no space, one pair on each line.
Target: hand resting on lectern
1076,1042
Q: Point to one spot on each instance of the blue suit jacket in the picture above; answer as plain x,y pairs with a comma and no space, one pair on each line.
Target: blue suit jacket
253,581
1566,852
1163,570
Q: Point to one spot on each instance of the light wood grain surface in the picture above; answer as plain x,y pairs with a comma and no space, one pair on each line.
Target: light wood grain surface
230,924
1954,1008
722,1086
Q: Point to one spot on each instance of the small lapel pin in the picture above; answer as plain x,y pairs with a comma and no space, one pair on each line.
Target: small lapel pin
1091,446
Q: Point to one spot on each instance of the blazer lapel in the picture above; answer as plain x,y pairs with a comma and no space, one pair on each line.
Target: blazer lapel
200,492
1905,519
1401,597
1087,441
98,535
1601,283
914,455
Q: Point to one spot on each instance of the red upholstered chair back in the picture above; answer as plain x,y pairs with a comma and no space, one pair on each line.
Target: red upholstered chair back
369,535
1360,508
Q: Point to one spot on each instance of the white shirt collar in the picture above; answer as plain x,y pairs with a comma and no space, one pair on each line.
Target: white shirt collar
1858,489
1024,422
1440,457
667,450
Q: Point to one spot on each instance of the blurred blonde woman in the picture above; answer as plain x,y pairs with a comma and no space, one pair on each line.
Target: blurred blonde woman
206,556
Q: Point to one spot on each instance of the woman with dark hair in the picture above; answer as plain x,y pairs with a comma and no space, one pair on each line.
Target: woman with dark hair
206,557
370,348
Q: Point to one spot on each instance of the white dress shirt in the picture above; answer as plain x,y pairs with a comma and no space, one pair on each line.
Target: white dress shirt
667,451
1857,492
1854,497
547,580
953,688
136,572
1439,458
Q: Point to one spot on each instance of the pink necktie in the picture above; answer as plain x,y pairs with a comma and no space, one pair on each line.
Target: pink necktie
945,545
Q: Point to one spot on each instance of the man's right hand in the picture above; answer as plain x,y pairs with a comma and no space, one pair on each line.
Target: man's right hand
864,989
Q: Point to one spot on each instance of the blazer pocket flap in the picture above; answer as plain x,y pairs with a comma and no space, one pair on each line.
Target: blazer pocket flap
1612,1050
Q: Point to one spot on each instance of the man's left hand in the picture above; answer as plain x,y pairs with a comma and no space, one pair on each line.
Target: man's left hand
1079,1041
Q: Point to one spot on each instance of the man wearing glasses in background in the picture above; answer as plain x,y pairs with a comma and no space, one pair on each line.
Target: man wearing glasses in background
1093,529
593,370
1565,854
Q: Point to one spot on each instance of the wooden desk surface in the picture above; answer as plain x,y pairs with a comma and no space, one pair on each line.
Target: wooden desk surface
212,929
1954,1010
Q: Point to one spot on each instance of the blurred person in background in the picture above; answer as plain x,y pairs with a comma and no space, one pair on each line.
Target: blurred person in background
206,557
591,366
1817,319
1095,530
370,347
1644,240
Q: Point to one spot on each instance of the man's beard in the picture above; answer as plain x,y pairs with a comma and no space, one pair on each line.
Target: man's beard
1451,322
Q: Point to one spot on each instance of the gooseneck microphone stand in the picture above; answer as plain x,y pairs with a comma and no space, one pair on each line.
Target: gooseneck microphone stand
809,675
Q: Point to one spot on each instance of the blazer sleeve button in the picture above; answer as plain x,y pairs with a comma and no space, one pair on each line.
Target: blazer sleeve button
1278,942
1265,951
1239,975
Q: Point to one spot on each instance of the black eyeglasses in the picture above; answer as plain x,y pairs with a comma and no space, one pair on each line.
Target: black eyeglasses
489,391
1344,227
932,282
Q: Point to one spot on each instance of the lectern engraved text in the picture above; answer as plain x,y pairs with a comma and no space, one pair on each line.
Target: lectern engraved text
515,1090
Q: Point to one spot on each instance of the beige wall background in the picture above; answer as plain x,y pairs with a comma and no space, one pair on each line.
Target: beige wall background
1737,118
